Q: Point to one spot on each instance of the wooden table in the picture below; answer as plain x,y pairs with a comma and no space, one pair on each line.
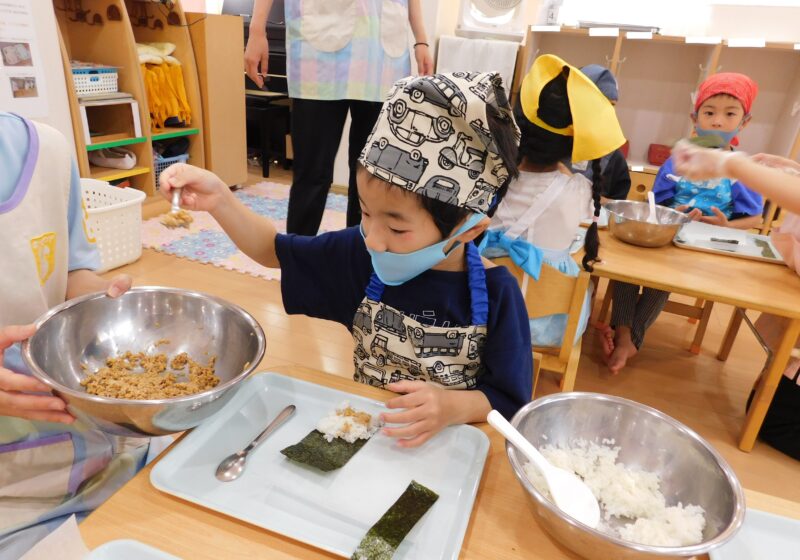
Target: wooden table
739,282
501,526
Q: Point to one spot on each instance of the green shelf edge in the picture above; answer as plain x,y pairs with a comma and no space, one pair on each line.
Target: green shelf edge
115,143
175,133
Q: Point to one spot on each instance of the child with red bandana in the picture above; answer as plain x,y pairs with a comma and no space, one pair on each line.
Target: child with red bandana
722,108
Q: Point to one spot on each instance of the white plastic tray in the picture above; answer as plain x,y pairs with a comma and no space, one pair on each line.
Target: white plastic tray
706,238
128,549
763,536
332,511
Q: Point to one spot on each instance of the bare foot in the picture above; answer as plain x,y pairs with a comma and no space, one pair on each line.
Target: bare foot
606,339
624,350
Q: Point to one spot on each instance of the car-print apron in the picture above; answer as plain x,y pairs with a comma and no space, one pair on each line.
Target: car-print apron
390,346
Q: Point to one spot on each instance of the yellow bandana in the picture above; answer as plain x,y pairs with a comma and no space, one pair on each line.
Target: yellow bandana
594,127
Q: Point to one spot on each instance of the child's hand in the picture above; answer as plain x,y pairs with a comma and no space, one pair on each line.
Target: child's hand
718,219
694,214
429,409
202,190
13,387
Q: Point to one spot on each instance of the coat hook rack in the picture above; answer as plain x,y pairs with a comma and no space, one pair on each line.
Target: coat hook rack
140,17
77,14
113,13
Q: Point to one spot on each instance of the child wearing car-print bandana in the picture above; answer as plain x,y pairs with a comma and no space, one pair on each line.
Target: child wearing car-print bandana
427,313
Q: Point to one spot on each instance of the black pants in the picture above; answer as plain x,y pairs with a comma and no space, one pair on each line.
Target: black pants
636,311
316,130
781,427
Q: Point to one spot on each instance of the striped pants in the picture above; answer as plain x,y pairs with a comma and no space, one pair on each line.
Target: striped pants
636,311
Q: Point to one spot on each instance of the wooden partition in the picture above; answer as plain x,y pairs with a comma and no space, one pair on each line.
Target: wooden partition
658,75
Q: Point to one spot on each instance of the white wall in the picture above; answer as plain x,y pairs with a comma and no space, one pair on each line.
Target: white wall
774,23
774,20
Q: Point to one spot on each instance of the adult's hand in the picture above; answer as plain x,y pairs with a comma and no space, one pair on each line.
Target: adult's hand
16,388
256,57
422,53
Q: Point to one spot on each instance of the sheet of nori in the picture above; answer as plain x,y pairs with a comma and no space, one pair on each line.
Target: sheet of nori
383,538
315,451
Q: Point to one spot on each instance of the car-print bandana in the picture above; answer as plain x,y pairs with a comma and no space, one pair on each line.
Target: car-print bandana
432,138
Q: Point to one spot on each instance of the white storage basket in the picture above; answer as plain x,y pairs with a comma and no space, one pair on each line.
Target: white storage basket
95,81
114,221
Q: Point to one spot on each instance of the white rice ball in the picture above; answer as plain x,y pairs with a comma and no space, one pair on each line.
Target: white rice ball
348,424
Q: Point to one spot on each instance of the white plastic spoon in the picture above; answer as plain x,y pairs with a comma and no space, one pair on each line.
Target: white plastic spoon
569,492
653,217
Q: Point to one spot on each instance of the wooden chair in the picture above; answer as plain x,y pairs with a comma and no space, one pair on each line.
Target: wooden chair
771,211
553,293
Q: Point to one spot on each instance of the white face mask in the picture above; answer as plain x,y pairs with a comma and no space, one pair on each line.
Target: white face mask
394,269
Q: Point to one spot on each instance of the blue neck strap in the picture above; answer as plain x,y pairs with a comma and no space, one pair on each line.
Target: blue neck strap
476,278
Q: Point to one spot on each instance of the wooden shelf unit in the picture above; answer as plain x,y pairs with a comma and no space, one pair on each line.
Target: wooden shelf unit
172,132
179,36
108,174
114,141
114,44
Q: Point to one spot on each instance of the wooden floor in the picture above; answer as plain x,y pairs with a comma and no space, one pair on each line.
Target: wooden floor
706,394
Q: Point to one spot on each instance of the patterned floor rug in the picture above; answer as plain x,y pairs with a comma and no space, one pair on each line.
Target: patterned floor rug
204,241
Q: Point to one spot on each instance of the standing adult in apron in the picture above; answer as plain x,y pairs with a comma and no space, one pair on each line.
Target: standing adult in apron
342,57
48,470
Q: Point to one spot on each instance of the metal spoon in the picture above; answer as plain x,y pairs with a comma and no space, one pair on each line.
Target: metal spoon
232,466
569,492
176,201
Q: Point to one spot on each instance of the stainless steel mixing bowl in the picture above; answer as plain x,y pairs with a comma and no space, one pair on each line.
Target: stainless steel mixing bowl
691,471
627,221
86,331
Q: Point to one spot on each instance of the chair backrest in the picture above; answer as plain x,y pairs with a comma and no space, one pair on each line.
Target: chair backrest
770,214
554,292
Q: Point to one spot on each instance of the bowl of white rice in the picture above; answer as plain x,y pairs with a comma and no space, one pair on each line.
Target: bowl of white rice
663,490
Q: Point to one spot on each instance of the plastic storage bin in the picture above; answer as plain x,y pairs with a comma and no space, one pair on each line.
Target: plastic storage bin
114,222
94,80
162,163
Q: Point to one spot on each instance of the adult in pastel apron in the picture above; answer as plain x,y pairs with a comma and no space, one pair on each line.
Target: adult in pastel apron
342,58
48,471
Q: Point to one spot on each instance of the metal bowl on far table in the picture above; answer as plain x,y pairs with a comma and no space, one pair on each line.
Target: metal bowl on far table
627,221
690,469
76,338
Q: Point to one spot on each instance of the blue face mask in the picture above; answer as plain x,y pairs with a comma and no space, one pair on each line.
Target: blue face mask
394,269
726,136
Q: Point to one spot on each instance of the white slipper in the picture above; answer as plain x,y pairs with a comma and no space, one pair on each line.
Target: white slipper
115,158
